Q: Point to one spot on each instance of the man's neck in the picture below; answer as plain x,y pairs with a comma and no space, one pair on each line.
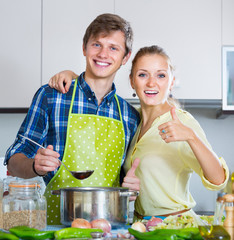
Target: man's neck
100,86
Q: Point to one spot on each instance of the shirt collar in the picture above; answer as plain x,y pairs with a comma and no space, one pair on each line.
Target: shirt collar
83,85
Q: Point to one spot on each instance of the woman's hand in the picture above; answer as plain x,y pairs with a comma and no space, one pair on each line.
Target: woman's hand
131,181
174,130
62,81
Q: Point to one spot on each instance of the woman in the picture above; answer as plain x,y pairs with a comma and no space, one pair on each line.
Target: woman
169,142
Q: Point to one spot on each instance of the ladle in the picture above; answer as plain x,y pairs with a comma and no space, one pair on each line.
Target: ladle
76,174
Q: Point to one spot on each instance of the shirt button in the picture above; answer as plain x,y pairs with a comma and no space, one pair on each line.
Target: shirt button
108,104
89,99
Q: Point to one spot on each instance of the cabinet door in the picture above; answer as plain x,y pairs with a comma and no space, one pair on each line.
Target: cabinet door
227,22
20,54
64,25
189,31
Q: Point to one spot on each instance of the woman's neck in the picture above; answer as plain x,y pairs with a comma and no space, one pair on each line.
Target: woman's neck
150,113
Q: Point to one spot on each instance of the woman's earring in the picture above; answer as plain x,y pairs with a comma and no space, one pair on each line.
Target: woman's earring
134,93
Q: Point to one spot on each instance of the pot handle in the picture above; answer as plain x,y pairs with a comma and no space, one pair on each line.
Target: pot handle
130,193
56,192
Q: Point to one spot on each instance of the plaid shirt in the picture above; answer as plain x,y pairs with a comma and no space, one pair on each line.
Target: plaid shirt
46,121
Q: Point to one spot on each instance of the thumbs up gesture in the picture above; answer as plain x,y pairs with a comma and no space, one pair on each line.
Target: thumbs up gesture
131,181
174,130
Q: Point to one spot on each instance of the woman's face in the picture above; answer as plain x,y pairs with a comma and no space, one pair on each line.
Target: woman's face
152,79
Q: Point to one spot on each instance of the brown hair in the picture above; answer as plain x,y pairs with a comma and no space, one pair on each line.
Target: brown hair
151,50
106,23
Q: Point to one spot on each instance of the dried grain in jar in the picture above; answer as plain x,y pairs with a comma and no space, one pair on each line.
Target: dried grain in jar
24,206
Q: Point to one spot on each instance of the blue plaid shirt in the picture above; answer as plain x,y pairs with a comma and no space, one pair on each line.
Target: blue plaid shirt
46,121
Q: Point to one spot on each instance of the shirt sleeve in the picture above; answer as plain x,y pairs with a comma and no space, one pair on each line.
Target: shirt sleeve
211,186
190,159
34,126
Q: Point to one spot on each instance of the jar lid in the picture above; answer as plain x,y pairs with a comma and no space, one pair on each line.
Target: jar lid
24,184
229,198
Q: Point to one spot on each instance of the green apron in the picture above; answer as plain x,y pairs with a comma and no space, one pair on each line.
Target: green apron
93,143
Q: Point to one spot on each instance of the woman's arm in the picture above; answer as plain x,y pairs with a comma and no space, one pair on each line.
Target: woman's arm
176,131
62,80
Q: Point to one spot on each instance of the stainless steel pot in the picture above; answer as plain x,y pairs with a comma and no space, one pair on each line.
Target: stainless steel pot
92,203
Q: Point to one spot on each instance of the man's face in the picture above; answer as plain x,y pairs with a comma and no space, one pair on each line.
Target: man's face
105,55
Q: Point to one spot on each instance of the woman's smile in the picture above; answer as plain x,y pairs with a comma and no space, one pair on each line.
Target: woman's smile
151,93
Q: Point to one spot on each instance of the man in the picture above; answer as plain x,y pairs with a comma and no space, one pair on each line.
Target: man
89,128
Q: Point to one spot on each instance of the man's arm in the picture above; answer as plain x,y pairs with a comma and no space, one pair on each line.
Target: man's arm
21,166
46,160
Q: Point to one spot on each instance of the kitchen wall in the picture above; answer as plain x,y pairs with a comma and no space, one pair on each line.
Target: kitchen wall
219,133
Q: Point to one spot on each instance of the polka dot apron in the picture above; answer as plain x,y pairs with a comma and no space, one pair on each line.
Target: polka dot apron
93,143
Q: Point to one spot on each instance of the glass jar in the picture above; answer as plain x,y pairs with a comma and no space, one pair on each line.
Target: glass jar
24,205
1,195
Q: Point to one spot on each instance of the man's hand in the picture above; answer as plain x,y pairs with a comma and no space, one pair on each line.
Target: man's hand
131,181
46,160
62,81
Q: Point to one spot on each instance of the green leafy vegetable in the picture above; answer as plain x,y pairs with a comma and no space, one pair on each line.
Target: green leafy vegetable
167,234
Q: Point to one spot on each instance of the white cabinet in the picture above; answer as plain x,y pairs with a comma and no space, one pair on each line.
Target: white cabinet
190,32
42,37
64,25
227,22
20,52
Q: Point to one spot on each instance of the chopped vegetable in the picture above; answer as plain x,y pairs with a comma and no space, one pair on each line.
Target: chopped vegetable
180,221
154,221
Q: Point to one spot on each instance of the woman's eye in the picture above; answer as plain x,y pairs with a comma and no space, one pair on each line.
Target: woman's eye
161,76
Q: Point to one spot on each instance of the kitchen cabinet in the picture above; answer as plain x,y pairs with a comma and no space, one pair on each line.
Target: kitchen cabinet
20,54
227,22
43,37
64,25
190,32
